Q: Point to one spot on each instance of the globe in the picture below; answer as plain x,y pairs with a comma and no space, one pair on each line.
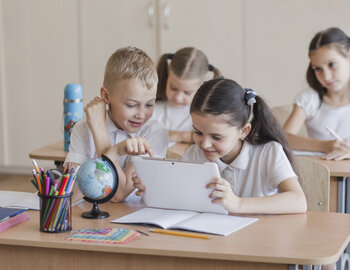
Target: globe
97,179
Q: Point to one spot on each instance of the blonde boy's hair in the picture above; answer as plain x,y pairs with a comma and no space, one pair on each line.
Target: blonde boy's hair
130,63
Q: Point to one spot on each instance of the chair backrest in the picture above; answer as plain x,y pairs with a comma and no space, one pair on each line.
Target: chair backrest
314,179
282,113
173,155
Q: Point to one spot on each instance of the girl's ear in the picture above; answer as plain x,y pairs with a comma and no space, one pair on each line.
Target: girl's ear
105,95
245,130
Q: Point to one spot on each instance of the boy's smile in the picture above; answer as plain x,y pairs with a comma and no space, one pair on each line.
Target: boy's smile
131,104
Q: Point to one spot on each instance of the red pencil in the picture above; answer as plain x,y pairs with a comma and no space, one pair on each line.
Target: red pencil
64,184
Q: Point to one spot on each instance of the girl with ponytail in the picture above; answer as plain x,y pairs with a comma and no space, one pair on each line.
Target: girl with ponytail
234,128
326,104
180,75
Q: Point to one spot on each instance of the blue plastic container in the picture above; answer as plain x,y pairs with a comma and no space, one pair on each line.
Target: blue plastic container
73,110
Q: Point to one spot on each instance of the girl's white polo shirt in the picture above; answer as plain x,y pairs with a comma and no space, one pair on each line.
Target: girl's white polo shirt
256,171
173,118
320,115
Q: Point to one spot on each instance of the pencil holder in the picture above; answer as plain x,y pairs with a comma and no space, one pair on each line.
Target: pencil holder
55,213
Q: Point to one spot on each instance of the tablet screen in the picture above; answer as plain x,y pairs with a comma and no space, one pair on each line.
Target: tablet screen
173,184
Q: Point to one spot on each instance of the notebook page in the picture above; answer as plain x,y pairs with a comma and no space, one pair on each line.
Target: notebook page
26,200
215,223
160,217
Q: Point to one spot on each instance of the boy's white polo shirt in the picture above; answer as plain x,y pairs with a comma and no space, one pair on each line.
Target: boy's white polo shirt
256,171
82,146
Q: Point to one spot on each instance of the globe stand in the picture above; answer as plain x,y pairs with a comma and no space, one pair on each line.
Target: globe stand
81,175
95,213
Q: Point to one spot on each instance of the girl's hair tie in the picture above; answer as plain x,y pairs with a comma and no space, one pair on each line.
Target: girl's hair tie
250,96
170,55
210,67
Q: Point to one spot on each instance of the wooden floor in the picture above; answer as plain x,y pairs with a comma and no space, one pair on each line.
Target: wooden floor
16,182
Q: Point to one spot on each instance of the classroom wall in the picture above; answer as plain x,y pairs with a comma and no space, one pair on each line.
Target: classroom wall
46,44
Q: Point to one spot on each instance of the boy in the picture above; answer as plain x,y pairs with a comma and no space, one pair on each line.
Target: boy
129,89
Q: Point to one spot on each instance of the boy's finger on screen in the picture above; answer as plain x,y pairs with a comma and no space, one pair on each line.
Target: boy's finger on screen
141,147
149,151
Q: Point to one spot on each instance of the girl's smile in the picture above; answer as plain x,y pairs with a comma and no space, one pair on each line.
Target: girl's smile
216,137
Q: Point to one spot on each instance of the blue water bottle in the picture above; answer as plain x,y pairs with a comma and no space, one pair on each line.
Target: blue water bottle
73,109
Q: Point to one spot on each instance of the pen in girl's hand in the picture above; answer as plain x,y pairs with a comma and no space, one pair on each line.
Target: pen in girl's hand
335,135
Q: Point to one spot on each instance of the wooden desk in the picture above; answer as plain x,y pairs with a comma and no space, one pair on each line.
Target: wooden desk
339,186
336,168
271,243
53,152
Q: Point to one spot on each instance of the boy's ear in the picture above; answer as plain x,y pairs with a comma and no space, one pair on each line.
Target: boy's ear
245,130
105,95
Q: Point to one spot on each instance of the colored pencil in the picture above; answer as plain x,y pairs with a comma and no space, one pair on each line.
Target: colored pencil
180,233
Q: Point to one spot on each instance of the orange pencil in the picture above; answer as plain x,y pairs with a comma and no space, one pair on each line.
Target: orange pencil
180,233
39,183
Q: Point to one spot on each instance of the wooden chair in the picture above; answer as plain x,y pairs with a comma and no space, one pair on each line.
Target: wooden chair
282,113
173,155
314,179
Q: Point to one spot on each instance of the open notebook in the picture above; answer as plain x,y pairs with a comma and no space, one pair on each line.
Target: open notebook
187,220
177,198
17,199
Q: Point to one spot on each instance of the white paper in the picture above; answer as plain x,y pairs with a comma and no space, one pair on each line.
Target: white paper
26,200
160,217
193,221
214,223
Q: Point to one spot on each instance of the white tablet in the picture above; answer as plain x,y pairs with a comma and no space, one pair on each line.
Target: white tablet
174,184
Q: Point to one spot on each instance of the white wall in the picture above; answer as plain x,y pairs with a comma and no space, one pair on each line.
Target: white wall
40,44
3,107
277,39
46,44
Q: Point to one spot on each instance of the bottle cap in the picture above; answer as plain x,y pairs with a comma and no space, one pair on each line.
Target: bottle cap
73,91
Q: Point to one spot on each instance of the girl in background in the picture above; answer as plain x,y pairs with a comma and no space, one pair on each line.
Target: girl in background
180,75
326,104
235,129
